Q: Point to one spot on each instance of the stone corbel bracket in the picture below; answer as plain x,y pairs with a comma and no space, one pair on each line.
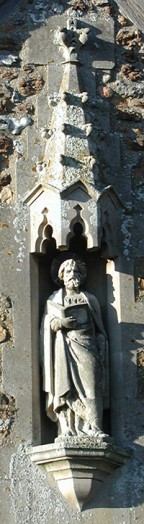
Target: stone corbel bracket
79,468
54,213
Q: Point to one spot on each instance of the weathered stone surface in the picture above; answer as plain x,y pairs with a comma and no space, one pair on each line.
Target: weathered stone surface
6,195
139,281
6,322
140,363
7,416
6,513
32,481
133,9
110,128
43,47
79,465
30,85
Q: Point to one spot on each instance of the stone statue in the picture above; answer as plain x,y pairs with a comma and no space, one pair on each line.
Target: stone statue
73,342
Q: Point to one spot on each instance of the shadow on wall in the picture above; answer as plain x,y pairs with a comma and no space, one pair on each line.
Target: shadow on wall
123,489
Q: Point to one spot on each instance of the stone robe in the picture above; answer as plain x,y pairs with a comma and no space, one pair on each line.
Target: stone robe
71,367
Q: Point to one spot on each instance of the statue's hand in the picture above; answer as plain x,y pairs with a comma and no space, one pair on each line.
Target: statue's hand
55,324
69,323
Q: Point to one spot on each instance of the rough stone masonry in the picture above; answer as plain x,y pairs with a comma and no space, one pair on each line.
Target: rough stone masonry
36,149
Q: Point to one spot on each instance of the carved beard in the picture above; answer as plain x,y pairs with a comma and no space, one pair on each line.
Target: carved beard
72,283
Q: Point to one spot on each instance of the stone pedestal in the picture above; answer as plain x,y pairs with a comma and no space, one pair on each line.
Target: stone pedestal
79,466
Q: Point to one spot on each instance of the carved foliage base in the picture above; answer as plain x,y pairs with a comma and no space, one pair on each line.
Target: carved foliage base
79,468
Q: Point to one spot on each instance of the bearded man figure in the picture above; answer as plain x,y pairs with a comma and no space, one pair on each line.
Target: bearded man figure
73,342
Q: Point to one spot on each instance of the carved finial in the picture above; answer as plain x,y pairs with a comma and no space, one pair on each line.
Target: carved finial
88,129
72,24
84,97
72,39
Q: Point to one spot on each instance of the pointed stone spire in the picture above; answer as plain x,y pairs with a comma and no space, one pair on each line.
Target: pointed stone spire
69,150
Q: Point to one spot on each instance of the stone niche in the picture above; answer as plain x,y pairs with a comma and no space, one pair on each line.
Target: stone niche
78,219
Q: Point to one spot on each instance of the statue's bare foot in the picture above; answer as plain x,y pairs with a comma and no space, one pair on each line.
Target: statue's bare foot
101,436
80,433
66,434
93,431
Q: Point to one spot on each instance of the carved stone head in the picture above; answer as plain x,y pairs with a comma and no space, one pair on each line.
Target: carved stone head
72,272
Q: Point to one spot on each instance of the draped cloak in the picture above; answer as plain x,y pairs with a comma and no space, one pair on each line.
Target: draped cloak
65,362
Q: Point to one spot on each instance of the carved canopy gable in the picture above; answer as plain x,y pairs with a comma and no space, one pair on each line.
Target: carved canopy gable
54,214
